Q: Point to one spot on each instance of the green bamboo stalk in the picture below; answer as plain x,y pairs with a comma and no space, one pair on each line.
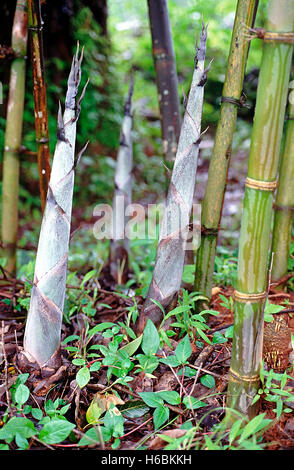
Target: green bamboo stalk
168,270
220,159
43,325
254,245
40,99
119,245
284,204
13,136
166,76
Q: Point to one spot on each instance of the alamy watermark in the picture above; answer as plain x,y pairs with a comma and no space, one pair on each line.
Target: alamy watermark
136,221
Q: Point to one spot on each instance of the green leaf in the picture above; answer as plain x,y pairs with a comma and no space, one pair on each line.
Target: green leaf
94,436
88,276
55,431
100,327
134,409
171,397
151,399
235,430
70,338
114,422
255,425
193,403
183,350
208,381
160,416
79,362
132,347
148,364
37,413
171,361
83,376
22,394
17,425
218,338
21,442
150,340
95,366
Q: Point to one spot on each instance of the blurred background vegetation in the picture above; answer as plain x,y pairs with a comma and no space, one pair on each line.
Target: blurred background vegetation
116,37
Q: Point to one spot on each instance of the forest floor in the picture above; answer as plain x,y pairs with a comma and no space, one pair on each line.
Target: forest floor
103,389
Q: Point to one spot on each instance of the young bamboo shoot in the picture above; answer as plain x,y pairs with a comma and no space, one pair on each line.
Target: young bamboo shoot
168,270
119,245
43,326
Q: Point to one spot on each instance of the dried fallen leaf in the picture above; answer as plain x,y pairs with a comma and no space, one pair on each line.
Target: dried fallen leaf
158,442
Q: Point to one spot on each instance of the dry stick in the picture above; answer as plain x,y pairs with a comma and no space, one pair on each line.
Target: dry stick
6,370
13,135
220,159
43,326
122,199
40,100
166,77
167,275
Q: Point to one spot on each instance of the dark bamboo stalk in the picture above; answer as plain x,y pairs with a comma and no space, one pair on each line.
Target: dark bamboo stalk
254,245
13,136
166,76
220,159
40,100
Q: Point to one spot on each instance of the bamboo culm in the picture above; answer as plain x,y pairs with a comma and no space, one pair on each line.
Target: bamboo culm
13,137
254,244
220,159
119,245
168,270
284,203
43,326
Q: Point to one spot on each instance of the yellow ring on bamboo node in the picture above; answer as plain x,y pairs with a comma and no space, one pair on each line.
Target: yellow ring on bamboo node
234,375
246,297
262,185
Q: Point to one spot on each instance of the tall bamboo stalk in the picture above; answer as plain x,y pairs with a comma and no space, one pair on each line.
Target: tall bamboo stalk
284,204
119,245
40,100
253,261
166,76
220,159
168,270
13,136
43,326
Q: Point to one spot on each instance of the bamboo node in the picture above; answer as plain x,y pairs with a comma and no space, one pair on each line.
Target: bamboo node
241,103
277,207
236,377
270,36
246,297
262,185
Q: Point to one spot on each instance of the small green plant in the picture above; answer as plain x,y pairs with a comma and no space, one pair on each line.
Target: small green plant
29,422
274,389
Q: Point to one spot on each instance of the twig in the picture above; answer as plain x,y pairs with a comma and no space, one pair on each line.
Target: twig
6,371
